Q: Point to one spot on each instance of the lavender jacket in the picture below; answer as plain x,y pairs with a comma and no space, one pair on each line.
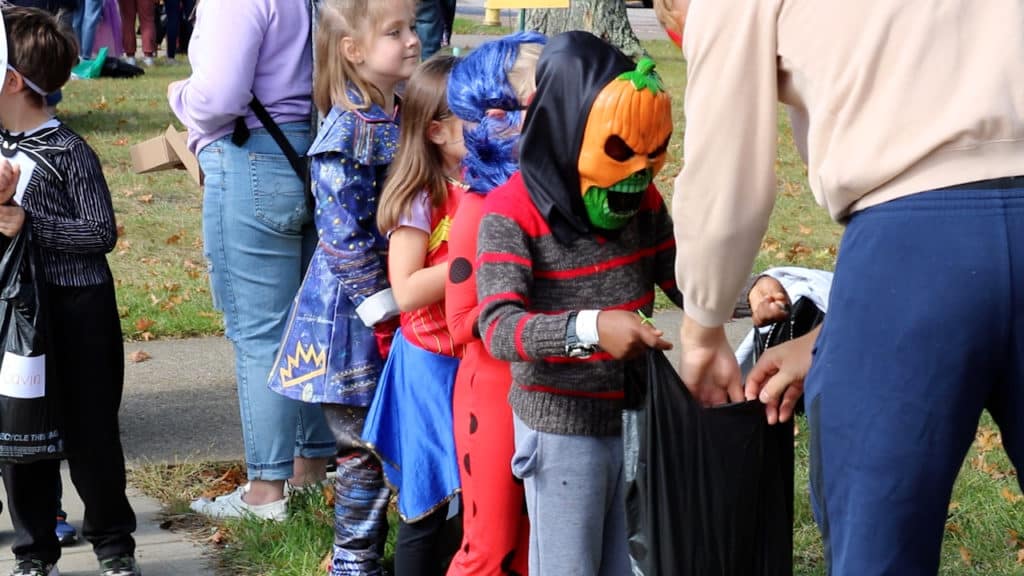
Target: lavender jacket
238,49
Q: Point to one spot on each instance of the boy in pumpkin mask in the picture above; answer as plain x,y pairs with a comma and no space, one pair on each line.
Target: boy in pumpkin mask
569,250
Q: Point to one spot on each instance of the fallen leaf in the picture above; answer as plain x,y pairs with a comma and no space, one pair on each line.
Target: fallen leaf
1020,556
146,198
217,538
207,314
143,324
1009,496
139,356
172,239
805,230
146,336
120,142
954,528
120,230
965,555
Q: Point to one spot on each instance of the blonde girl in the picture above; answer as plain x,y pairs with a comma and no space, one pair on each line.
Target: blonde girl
329,353
410,420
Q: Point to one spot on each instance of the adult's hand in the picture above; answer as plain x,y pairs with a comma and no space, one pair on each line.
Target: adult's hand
709,367
623,334
9,175
769,301
778,377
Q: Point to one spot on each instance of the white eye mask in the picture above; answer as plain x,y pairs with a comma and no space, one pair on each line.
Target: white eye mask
3,49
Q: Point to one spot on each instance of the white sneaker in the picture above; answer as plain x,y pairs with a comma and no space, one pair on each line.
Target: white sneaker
129,60
233,506
147,61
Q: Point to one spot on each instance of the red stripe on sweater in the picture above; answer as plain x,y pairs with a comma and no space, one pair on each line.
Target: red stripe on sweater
512,200
603,266
503,258
611,395
636,304
520,326
504,296
490,334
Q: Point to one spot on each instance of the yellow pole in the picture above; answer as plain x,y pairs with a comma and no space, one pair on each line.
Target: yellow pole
492,16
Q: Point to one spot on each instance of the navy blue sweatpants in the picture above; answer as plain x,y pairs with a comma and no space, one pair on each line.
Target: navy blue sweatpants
925,329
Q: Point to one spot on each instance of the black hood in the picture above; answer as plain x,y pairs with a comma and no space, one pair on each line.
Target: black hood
573,69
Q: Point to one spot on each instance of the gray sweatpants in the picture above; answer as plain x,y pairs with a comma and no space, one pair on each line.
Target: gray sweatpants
576,501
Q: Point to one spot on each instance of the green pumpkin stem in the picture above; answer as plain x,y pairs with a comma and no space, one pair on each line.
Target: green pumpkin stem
644,76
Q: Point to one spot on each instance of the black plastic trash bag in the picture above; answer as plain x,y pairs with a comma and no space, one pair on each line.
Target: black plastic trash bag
29,411
709,491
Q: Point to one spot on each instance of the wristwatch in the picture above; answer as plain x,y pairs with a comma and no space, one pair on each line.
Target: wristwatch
573,347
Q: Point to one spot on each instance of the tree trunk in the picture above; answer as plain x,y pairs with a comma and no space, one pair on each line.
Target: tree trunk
606,19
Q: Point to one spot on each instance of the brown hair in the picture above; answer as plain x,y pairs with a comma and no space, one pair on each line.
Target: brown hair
39,47
334,74
419,163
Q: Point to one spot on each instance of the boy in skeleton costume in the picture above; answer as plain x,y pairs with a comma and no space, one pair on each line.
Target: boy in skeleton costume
569,250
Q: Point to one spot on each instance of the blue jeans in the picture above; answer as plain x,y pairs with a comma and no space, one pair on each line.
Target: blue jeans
923,332
258,236
429,26
85,20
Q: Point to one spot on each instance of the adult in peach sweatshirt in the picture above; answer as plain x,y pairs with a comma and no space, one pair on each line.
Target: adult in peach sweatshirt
910,116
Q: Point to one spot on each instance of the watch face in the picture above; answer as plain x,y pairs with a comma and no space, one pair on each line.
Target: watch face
580,351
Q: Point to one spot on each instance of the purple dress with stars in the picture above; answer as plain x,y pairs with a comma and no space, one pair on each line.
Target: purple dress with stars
328,352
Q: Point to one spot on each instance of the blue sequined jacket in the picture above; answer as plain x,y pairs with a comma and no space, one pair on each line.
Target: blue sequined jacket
328,352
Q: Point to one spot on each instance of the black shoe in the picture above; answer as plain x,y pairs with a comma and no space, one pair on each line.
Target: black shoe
119,566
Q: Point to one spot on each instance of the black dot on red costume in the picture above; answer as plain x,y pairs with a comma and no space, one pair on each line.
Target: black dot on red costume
506,563
466,548
459,270
474,509
465,464
472,423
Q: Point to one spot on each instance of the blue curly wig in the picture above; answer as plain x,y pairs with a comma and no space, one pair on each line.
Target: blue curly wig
478,83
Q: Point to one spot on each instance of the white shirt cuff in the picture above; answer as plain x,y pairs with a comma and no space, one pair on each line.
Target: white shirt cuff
377,308
586,327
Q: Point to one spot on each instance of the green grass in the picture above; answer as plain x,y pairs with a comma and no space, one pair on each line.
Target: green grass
475,26
162,285
163,291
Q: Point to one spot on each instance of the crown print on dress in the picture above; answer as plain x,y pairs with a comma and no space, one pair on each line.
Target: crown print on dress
310,364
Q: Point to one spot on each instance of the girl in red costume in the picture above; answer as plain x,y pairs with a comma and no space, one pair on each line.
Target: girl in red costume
409,423
495,526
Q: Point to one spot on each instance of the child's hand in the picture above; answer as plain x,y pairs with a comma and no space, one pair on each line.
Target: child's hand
625,335
778,377
11,220
769,302
9,175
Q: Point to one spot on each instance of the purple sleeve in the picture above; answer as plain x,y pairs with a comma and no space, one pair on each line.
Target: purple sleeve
419,214
224,50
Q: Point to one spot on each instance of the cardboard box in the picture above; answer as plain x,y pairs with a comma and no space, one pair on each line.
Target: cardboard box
166,151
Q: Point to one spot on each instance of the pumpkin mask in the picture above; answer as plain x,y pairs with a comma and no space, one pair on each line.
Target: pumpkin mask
624,145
